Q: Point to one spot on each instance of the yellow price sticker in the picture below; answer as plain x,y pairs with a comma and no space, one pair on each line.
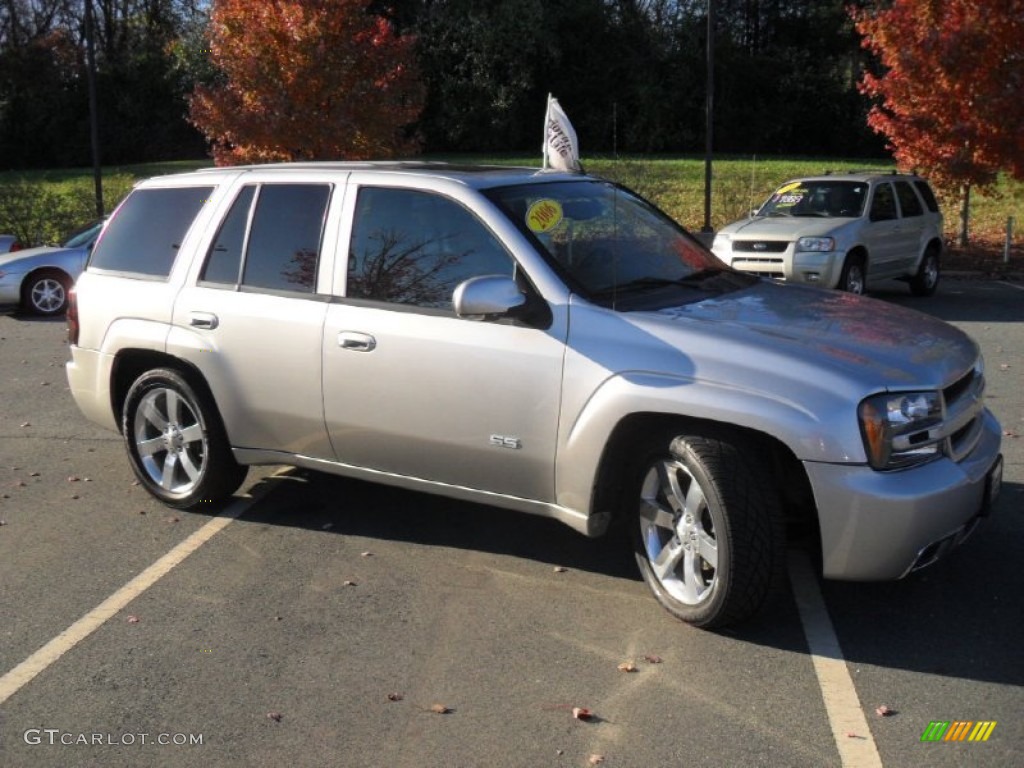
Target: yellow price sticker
544,215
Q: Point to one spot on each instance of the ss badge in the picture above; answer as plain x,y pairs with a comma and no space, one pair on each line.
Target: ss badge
503,441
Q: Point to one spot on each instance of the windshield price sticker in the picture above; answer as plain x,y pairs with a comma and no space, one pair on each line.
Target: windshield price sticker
544,215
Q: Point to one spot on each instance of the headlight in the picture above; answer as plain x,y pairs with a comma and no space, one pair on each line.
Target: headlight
722,241
902,429
816,244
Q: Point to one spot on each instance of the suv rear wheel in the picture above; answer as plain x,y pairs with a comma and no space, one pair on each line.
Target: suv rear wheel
926,280
707,534
176,443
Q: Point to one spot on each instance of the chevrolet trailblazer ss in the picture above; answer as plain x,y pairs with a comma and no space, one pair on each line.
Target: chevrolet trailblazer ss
540,341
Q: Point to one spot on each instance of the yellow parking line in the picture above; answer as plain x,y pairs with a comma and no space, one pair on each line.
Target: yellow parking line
850,729
18,677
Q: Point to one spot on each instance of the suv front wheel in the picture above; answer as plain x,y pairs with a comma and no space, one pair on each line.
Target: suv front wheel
176,443
707,532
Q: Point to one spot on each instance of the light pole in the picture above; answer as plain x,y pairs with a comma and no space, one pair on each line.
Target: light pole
94,132
709,103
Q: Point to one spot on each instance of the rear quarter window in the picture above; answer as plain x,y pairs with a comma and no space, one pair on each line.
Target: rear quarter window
146,232
927,195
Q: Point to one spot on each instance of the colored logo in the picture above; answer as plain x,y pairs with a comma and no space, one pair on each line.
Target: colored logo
544,215
958,730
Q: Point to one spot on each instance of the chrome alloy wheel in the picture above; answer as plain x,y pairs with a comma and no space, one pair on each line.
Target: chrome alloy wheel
678,532
170,440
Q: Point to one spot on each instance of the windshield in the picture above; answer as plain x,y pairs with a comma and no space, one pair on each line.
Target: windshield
611,245
84,236
822,197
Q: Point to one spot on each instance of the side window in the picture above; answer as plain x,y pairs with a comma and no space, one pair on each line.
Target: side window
145,234
927,195
883,205
411,247
285,237
224,261
909,204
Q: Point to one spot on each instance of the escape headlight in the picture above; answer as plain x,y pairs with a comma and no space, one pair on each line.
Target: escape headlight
820,244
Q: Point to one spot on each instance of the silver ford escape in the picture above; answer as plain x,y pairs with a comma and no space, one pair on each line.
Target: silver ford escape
842,231
540,341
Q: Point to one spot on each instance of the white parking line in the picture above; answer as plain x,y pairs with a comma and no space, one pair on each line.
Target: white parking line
1012,285
14,680
850,729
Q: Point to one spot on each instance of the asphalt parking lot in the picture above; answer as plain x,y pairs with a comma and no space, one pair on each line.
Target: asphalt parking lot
319,621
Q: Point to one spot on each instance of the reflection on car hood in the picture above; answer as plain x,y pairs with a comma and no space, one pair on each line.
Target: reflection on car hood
783,227
862,339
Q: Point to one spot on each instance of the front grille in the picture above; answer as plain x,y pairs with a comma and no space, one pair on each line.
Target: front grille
759,246
964,413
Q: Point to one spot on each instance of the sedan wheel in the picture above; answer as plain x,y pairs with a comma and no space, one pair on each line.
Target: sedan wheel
46,293
707,534
175,442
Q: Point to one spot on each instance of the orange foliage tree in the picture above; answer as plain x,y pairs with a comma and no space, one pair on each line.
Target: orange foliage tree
304,80
950,97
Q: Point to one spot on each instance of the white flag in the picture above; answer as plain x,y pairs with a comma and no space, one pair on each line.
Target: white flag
561,150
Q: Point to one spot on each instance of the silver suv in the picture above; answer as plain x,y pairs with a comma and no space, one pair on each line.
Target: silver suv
841,231
539,341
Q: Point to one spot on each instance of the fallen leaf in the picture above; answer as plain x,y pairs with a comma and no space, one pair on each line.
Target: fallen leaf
275,716
20,484
582,713
883,711
1010,433
560,569
366,554
174,519
349,583
142,511
595,759
75,496
395,697
73,479
627,666
852,735
3,522
1004,366
132,619
651,658
33,474
26,424
439,709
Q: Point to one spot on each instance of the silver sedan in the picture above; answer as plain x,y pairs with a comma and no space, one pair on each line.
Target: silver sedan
37,280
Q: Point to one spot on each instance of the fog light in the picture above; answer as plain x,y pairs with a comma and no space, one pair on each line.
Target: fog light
812,277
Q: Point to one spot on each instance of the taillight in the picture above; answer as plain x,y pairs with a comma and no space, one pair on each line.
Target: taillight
72,318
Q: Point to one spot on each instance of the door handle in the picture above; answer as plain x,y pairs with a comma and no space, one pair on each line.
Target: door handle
206,320
357,342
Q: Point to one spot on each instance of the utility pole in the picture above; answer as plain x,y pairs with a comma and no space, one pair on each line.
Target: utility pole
709,105
94,131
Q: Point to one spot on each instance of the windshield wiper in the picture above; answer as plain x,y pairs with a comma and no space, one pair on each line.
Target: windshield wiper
647,283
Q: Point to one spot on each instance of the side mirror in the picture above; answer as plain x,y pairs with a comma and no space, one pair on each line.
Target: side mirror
487,297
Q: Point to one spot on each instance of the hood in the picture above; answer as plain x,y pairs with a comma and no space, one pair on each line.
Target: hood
793,332
30,253
783,227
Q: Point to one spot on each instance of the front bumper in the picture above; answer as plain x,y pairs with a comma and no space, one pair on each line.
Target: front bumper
809,267
881,525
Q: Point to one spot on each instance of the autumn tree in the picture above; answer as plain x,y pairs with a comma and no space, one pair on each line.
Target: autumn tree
950,97
306,79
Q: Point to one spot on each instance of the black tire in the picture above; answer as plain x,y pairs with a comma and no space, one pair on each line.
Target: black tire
928,274
45,293
176,443
707,532
854,277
